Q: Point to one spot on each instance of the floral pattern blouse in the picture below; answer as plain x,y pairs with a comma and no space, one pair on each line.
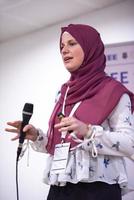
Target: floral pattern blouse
113,141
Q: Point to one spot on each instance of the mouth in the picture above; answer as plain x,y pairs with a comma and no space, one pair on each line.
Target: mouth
67,59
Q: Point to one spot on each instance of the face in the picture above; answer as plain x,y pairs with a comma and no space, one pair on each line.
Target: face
71,51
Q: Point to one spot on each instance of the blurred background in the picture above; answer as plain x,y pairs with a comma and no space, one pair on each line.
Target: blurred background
31,70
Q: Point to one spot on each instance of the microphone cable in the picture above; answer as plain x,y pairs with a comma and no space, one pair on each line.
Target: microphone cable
26,115
17,186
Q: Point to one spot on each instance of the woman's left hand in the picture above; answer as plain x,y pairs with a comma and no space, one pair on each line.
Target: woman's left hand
74,125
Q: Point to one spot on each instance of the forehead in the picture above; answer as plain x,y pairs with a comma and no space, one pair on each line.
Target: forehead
66,37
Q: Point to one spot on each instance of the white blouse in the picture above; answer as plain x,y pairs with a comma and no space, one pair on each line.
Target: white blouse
113,141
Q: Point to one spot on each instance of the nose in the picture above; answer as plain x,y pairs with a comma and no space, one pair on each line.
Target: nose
65,50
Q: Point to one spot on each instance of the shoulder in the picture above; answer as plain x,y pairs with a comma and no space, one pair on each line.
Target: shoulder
123,106
124,102
125,99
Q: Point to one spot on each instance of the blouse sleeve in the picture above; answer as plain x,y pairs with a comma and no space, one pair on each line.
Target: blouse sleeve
119,139
41,142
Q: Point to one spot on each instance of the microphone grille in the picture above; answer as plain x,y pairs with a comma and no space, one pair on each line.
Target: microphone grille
28,108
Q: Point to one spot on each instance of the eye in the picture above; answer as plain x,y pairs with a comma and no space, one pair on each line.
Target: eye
61,47
72,43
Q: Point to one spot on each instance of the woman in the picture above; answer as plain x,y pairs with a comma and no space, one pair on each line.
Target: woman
91,128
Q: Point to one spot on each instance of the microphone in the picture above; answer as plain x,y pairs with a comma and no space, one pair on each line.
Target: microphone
26,115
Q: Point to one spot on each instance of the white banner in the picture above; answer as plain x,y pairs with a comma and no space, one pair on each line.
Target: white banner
120,63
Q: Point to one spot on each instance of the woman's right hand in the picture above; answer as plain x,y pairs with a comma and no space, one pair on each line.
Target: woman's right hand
30,130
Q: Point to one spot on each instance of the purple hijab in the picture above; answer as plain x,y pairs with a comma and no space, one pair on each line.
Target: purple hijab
98,92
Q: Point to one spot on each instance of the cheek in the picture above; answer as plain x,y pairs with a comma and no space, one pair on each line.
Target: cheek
79,56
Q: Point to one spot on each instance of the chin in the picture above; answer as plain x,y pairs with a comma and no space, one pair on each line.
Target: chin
71,68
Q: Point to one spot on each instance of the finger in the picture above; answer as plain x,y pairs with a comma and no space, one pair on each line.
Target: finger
14,123
66,119
15,138
12,130
67,128
27,127
59,125
63,124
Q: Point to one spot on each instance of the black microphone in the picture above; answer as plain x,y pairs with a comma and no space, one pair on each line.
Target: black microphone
26,115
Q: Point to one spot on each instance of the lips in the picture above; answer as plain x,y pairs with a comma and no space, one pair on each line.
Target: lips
68,58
